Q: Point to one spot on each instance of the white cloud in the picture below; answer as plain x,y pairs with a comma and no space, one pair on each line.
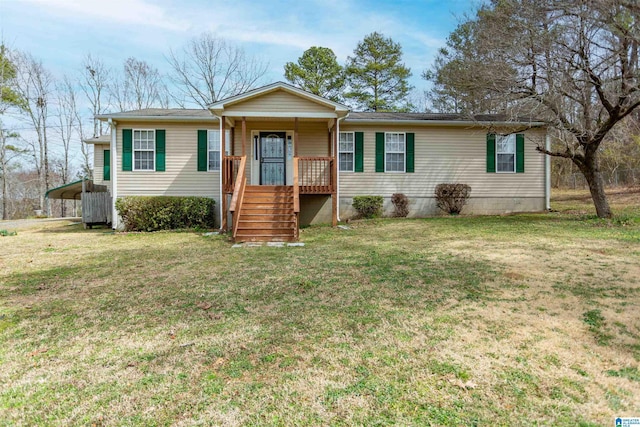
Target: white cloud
128,12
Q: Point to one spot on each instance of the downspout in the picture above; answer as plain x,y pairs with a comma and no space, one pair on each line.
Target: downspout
114,175
337,156
220,180
547,173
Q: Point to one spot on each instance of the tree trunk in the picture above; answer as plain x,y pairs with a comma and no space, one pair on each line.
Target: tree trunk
5,214
592,174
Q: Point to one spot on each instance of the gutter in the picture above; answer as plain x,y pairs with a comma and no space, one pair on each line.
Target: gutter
114,175
337,157
441,123
547,173
157,118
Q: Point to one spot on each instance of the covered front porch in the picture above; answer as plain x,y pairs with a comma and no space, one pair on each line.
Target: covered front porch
277,147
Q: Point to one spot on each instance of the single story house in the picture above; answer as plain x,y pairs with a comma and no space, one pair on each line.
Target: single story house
277,157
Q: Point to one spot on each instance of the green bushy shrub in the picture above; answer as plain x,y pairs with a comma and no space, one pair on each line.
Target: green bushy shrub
368,206
147,213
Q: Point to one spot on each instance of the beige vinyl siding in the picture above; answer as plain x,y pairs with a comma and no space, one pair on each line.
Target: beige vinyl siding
98,165
312,135
181,177
278,101
444,155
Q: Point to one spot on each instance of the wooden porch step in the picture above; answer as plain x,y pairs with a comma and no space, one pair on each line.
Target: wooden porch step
241,239
265,211
279,207
269,189
266,215
265,232
265,225
268,199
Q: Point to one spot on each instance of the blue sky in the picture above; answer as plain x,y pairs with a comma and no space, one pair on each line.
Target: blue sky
62,32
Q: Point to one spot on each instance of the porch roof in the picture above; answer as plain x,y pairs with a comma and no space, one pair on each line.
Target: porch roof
248,104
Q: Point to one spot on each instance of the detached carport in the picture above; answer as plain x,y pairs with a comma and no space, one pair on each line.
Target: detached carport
71,191
96,200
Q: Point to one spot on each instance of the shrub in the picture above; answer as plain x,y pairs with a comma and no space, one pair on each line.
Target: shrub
368,206
142,213
400,204
452,197
5,233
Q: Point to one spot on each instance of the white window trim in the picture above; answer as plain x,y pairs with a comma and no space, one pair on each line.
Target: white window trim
404,164
227,140
353,163
515,152
133,150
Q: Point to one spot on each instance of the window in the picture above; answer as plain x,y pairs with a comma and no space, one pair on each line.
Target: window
213,148
347,148
506,153
144,150
394,152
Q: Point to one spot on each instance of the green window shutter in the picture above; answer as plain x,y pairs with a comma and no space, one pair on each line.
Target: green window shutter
520,153
410,155
491,152
359,152
127,149
202,151
160,150
379,151
106,171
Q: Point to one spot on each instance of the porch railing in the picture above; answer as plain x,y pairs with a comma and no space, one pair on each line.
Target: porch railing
231,168
238,194
316,175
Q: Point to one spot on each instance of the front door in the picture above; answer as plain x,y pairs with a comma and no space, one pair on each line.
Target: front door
272,158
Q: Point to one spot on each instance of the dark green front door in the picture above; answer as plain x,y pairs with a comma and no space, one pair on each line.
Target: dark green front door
272,158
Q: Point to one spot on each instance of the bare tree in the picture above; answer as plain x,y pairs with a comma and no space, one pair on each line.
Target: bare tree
8,153
67,122
208,69
85,149
94,81
574,64
34,84
141,86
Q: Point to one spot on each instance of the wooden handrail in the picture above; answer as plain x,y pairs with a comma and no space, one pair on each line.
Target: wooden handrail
296,186
238,194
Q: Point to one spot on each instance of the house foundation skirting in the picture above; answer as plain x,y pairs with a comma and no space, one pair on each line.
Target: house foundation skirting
426,206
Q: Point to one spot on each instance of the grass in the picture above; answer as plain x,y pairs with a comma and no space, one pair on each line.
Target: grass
441,321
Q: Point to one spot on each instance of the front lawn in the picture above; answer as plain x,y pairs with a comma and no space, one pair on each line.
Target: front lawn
516,320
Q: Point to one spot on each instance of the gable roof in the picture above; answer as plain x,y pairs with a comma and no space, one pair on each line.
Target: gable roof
218,107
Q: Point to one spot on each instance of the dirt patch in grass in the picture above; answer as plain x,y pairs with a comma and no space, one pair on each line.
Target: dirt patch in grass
519,320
